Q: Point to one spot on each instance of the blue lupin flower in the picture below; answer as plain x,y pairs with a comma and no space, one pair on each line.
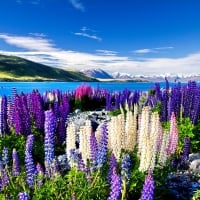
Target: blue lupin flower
5,157
102,151
49,128
125,171
15,164
23,196
29,164
148,188
115,186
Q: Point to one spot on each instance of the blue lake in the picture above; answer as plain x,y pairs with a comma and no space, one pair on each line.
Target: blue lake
26,87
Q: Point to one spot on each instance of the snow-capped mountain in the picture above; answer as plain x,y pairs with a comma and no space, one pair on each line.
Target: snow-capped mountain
120,75
102,74
97,73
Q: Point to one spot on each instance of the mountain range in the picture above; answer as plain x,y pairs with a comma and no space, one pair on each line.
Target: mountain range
101,74
14,68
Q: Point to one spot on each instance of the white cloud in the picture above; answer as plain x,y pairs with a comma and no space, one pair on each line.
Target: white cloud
43,51
164,48
29,43
106,52
143,51
88,36
38,34
152,50
87,32
77,4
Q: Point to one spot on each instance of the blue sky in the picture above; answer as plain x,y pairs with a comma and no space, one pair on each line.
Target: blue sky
133,36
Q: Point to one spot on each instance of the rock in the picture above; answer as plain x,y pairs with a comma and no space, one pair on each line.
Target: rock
195,166
194,156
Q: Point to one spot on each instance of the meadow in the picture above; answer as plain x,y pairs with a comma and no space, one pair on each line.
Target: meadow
149,135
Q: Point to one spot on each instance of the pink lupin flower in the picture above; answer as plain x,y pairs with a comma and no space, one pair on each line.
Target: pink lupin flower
173,135
83,90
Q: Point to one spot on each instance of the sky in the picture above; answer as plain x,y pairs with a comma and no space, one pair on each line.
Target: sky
145,37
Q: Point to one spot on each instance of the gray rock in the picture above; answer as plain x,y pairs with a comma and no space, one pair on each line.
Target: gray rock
194,156
195,166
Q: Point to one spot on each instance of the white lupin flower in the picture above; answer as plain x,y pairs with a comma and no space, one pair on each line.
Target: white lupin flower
70,138
148,137
84,146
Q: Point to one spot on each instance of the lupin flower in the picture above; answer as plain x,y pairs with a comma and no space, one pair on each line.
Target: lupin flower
29,164
1,184
40,174
113,164
126,164
93,149
115,186
23,196
49,129
173,135
5,157
148,188
81,164
83,90
184,157
15,164
102,150
3,116
73,158
186,150
4,177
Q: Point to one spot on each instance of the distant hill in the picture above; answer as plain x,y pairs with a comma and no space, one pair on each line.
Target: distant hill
13,68
97,73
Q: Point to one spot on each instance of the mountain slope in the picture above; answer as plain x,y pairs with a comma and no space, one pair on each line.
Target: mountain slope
13,68
97,73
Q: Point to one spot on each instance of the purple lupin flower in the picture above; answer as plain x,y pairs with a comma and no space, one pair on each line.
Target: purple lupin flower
3,116
1,184
93,149
81,164
38,110
5,179
108,101
103,149
29,164
23,196
49,128
186,150
61,130
148,187
40,174
113,164
25,115
16,115
115,186
15,163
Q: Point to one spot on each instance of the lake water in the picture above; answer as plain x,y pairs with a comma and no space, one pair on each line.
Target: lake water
26,87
